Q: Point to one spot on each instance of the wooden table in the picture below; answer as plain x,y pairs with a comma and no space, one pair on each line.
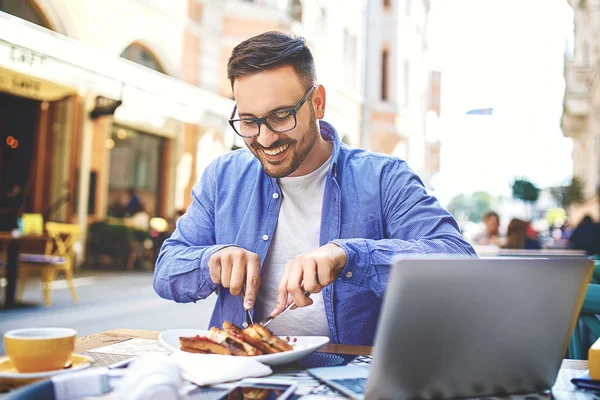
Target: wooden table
90,342
12,263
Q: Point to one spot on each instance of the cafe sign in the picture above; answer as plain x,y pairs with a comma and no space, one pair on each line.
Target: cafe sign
28,73
32,88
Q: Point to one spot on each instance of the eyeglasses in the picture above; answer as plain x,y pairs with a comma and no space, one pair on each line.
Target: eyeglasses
280,121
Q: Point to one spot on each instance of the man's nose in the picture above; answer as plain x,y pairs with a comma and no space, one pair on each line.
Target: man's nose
266,136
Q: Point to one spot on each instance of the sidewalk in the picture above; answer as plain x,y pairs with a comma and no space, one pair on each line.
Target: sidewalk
107,300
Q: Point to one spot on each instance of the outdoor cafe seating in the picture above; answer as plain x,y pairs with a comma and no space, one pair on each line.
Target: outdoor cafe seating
117,348
58,257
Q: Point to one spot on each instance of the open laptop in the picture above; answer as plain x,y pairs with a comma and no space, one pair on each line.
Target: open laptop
457,327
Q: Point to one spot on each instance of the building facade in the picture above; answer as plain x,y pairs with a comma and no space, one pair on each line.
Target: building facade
97,98
581,115
371,57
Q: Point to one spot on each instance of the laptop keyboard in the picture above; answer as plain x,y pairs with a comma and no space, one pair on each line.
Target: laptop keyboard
355,385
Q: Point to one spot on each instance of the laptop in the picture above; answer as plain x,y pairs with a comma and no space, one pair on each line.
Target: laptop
460,327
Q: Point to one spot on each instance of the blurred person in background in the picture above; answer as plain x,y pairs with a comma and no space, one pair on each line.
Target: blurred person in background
518,236
586,236
116,207
139,219
10,207
491,234
140,245
133,203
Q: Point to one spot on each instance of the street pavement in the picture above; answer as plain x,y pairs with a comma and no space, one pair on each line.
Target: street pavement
107,300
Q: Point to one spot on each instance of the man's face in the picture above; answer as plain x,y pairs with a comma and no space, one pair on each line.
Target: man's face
260,94
491,225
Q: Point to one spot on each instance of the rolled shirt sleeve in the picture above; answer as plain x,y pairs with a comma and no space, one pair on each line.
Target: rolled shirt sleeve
181,272
414,223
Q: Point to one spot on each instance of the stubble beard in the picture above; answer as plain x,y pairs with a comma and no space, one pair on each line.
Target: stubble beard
298,151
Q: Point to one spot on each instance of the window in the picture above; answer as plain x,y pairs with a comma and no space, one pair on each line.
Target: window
296,10
385,60
140,55
349,59
23,10
135,162
435,83
406,83
585,52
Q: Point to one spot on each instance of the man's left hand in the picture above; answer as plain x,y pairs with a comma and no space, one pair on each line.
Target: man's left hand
310,271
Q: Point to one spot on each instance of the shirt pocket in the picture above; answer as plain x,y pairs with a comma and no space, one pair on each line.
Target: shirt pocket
369,229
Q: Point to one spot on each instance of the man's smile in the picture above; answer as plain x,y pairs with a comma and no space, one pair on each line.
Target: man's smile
276,150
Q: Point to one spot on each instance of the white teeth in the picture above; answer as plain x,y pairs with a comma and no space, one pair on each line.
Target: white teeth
274,152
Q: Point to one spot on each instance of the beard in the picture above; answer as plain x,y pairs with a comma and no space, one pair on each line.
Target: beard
295,154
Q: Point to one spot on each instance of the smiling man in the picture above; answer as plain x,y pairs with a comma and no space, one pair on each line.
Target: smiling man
299,216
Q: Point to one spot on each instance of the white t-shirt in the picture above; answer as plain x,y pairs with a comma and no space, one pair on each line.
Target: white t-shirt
298,231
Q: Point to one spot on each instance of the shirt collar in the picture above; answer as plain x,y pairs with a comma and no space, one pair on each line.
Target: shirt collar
329,133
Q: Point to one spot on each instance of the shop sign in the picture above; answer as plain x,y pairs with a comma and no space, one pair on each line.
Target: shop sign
37,66
20,55
29,87
104,106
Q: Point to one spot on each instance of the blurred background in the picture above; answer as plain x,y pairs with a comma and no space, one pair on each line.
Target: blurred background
111,110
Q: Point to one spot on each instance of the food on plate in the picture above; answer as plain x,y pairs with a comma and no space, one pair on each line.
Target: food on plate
262,338
239,347
232,340
201,344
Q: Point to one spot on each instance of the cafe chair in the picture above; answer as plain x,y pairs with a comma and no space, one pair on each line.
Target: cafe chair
582,339
58,256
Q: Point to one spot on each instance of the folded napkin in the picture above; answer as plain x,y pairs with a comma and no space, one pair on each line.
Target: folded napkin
210,369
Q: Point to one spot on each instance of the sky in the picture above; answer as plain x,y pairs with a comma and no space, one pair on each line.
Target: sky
505,54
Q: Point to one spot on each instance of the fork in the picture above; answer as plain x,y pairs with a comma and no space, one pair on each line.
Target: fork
268,320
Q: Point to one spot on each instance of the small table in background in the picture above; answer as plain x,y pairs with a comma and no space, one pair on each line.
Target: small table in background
13,245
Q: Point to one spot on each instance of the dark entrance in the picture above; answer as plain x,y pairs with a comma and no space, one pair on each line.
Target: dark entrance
18,126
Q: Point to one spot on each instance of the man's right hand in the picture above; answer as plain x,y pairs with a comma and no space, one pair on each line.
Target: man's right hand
232,267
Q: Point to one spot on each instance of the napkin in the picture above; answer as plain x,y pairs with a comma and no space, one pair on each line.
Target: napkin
210,369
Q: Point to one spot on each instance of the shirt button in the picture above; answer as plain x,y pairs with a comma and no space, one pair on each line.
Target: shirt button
275,195
349,274
265,237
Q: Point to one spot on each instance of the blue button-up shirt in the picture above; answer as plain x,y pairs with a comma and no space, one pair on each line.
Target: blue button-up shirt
374,207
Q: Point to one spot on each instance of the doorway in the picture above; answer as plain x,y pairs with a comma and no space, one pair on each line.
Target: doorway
18,127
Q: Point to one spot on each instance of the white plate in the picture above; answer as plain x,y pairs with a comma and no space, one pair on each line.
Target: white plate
303,346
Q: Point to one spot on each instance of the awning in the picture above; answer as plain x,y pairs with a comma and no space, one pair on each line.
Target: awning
44,65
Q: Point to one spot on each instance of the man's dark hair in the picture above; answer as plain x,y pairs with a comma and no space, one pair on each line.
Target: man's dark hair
271,50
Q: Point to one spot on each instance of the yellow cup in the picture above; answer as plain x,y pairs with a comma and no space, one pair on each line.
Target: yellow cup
39,349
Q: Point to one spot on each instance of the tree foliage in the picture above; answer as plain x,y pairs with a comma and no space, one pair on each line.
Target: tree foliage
570,194
470,207
526,191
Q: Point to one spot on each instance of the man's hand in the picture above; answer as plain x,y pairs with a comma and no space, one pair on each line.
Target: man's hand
310,271
232,267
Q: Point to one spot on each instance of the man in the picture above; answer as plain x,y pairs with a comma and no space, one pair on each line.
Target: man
491,234
297,211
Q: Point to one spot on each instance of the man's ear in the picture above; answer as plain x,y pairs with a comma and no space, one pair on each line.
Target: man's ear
319,99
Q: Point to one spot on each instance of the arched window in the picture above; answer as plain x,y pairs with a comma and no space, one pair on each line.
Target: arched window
296,10
25,10
141,55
